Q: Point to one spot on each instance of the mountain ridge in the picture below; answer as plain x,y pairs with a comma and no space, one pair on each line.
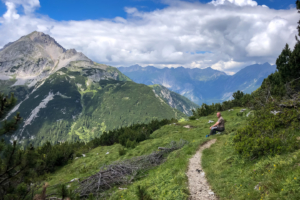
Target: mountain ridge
201,85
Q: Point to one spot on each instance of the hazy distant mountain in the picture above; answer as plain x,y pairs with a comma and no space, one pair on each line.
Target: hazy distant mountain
201,85
63,95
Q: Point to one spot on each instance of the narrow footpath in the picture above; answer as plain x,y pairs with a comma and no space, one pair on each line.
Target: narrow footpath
198,185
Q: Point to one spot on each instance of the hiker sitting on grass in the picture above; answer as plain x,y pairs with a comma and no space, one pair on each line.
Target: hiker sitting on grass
218,126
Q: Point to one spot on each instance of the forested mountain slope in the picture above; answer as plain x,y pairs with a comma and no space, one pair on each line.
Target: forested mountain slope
64,96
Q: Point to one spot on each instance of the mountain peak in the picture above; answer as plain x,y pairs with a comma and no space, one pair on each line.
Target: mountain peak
41,53
43,39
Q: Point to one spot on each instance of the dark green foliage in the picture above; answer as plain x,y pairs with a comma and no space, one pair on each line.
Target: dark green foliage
15,168
268,134
91,197
53,156
63,191
6,103
10,126
192,118
142,194
122,151
130,136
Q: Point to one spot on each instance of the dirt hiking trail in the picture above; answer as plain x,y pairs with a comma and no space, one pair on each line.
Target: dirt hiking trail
198,185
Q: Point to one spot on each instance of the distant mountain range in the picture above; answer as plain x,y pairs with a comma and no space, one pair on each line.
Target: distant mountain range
201,85
64,96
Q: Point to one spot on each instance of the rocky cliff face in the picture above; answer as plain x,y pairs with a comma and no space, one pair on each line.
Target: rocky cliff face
174,100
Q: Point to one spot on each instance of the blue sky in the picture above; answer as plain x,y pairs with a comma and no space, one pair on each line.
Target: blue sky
226,35
99,9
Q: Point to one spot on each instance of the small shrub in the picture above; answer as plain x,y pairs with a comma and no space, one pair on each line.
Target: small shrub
63,191
91,197
122,151
78,155
192,118
142,194
131,144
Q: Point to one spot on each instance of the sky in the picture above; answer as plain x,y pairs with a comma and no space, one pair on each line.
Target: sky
226,35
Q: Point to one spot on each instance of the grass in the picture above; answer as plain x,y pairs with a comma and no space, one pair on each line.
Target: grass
167,181
233,177
230,176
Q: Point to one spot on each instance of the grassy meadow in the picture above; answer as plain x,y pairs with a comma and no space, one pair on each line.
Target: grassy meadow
230,176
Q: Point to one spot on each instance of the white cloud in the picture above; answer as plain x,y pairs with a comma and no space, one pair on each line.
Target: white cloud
11,12
235,2
236,33
28,5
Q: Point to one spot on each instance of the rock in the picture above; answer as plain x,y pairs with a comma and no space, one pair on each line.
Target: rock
76,158
248,113
122,188
107,153
275,112
219,133
202,174
187,126
83,155
74,179
257,187
210,121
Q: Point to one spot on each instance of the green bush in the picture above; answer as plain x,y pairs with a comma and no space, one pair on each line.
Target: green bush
142,194
268,134
192,118
122,151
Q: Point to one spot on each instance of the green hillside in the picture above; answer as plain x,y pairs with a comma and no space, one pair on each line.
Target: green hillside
73,103
230,176
174,99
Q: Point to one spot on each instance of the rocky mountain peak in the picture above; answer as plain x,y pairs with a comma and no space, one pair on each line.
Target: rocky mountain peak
43,39
34,57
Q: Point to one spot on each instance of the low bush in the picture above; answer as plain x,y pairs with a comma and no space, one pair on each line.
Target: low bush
268,133
122,151
142,194
192,118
